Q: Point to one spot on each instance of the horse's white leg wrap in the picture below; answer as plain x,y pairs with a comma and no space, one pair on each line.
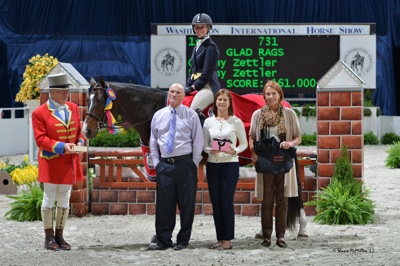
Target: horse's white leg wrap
303,222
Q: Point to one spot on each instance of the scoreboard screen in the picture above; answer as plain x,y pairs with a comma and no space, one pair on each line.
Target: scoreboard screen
295,62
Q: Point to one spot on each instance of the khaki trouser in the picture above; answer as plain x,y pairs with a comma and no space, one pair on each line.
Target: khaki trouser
203,98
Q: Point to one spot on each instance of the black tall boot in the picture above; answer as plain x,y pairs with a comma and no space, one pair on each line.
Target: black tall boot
202,117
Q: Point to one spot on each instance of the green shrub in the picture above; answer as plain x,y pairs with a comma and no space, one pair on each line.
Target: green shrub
370,139
368,98
27,205
390,138
367,112
335,204
393,159
343,171
309,110
126,138
309,140
343,201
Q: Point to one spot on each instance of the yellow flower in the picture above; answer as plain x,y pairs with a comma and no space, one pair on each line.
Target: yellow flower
3,165
24,173
38,67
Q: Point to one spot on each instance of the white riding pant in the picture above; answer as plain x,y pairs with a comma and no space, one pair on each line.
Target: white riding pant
53,192
203,98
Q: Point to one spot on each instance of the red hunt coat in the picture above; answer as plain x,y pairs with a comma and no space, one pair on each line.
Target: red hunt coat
51,132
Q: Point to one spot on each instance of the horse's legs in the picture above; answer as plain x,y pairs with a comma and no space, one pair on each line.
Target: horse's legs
303,223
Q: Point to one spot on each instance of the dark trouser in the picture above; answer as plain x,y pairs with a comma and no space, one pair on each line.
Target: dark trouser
222,179
274,190
176,183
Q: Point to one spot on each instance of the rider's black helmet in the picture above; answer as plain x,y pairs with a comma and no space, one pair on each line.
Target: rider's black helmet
202,18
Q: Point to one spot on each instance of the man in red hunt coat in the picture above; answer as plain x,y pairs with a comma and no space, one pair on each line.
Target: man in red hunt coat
57,130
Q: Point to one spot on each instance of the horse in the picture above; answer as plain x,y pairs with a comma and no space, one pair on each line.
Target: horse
137,105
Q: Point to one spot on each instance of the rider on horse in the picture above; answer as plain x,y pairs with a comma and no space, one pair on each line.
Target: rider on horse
203,66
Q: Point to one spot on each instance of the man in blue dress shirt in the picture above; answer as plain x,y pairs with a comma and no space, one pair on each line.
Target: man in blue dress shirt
177,169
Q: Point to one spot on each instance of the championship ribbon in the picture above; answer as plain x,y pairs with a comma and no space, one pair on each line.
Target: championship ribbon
109,104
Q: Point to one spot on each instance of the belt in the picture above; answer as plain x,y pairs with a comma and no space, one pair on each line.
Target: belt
176,158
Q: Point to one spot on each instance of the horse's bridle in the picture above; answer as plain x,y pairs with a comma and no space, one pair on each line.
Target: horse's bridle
100,121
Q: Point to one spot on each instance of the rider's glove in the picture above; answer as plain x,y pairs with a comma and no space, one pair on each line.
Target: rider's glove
188,90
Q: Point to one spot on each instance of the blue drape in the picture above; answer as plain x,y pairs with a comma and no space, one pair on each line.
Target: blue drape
111,38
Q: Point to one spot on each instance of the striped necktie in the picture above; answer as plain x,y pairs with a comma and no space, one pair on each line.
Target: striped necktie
171,133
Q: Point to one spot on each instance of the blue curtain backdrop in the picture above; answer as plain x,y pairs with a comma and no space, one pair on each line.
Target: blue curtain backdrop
111,38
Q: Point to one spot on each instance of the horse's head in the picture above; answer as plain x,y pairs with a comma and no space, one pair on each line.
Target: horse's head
95,115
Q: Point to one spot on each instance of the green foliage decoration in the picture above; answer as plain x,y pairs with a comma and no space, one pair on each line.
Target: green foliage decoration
26,205
368,98
336,204
393,159
371,139
343,170
309,110
367,112
390,138
344,201
125,138
309,140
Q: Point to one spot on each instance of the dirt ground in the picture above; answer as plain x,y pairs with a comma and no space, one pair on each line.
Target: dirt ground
123,240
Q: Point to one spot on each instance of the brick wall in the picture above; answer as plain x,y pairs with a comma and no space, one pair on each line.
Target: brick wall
339,123
132,201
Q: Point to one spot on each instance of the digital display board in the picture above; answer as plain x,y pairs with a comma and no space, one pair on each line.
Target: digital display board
295,62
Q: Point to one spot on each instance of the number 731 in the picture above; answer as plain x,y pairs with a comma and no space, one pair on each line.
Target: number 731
267,41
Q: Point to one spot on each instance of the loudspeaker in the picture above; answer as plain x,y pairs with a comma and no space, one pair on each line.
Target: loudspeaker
7,186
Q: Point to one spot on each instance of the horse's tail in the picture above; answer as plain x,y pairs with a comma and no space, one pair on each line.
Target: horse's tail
295,204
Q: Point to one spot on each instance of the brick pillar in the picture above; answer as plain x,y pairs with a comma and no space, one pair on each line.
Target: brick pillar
79,195
339,122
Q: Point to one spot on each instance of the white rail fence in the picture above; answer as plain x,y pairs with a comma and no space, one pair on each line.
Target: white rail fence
14,131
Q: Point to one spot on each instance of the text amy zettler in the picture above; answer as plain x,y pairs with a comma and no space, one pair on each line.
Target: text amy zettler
354,250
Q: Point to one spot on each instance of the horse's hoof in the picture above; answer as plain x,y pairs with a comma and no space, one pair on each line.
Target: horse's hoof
302,235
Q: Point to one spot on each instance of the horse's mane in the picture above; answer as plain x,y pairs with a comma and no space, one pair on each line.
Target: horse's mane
137,87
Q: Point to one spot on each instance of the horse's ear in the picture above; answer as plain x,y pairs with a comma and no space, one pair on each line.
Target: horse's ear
92,82
101,82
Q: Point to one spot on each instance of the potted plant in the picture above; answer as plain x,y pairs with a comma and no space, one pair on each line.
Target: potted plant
38,68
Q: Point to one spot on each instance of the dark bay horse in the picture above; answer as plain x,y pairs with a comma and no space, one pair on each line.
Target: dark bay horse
134,103
137,105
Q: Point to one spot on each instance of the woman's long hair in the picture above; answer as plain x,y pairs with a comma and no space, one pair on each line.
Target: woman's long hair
219,93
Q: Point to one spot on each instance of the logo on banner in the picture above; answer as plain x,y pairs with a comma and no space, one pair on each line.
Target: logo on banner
168,61
359,60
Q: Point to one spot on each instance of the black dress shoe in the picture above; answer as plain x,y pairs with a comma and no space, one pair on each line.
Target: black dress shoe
153,239
158,247
179,247
266,243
